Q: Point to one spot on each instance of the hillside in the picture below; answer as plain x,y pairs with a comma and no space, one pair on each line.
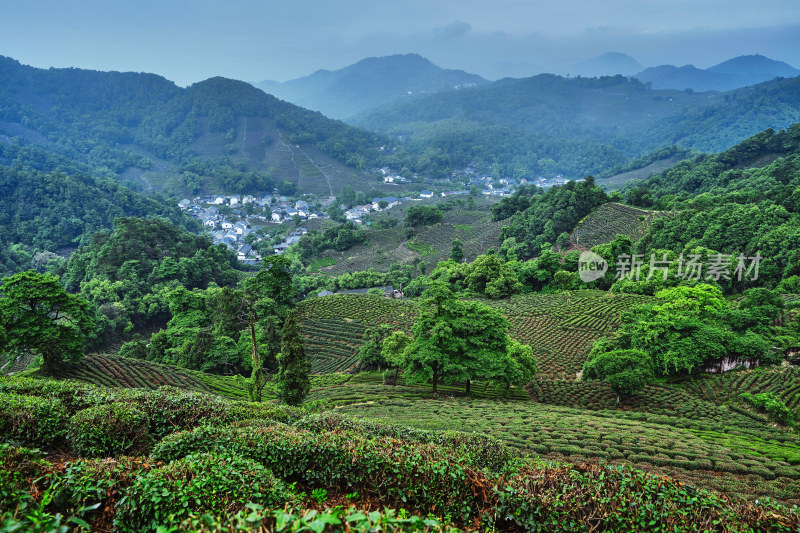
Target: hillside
609,64
430,244
53,204
734,73
609,220
370,83
216,135
548,124
559,327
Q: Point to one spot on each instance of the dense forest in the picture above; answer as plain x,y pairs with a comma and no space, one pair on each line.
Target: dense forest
49,203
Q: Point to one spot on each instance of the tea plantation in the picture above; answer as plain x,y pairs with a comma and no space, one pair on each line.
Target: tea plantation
82,457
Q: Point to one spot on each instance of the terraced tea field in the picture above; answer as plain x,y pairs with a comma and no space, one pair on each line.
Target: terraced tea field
724,453
560,327
609,220
431,244
113,371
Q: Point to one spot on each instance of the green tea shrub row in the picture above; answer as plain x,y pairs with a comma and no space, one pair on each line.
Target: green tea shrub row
596,497
108,430
484,450
220,484
30,420
290,520
422,476
768,403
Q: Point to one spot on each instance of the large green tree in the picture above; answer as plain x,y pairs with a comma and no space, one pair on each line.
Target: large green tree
39,316
458,340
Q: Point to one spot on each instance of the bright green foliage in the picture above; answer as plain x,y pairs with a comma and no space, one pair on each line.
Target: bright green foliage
219,484
31,420
393,350
492,276
330,520
519,365
370,353
457,251
774,407
422,215
626,371
459,340
129,274
109,430
40,316
538,218
687,329
293,366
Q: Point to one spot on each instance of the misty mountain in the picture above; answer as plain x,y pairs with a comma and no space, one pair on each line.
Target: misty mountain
734,73
608,64
216,135
370,83
547,123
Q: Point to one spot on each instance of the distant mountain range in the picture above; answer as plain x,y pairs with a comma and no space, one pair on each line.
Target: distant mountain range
738,72
368,84
608,64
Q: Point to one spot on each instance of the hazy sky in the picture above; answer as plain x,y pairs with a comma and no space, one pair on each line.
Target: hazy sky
188,41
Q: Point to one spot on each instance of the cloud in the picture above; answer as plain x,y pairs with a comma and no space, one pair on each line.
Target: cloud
454,30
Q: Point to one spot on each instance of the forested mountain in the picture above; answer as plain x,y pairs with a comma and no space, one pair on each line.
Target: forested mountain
216,135
370,83
738,72
577,126
51,202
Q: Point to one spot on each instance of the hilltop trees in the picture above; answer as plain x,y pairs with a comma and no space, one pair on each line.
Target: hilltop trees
38,315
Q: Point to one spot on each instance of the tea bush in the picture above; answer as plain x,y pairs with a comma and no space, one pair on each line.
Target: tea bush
485,451
198,483
31,421
74,396
291,520
768,403
108,430
422,476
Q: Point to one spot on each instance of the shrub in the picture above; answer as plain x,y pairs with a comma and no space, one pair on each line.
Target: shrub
422,476
220,484
17,467
73,395
170,409
30,420
88,486
484,450
108,430
772,406
328,521
240,410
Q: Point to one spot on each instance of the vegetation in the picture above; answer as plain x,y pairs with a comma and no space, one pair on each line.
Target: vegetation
37,315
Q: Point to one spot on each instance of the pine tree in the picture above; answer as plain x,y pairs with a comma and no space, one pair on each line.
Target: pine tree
293,366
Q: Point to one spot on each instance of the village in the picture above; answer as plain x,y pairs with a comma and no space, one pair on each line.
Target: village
229,219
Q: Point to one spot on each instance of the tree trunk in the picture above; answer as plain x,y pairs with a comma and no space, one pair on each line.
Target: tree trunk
468,388
435,380
256,392
396,375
